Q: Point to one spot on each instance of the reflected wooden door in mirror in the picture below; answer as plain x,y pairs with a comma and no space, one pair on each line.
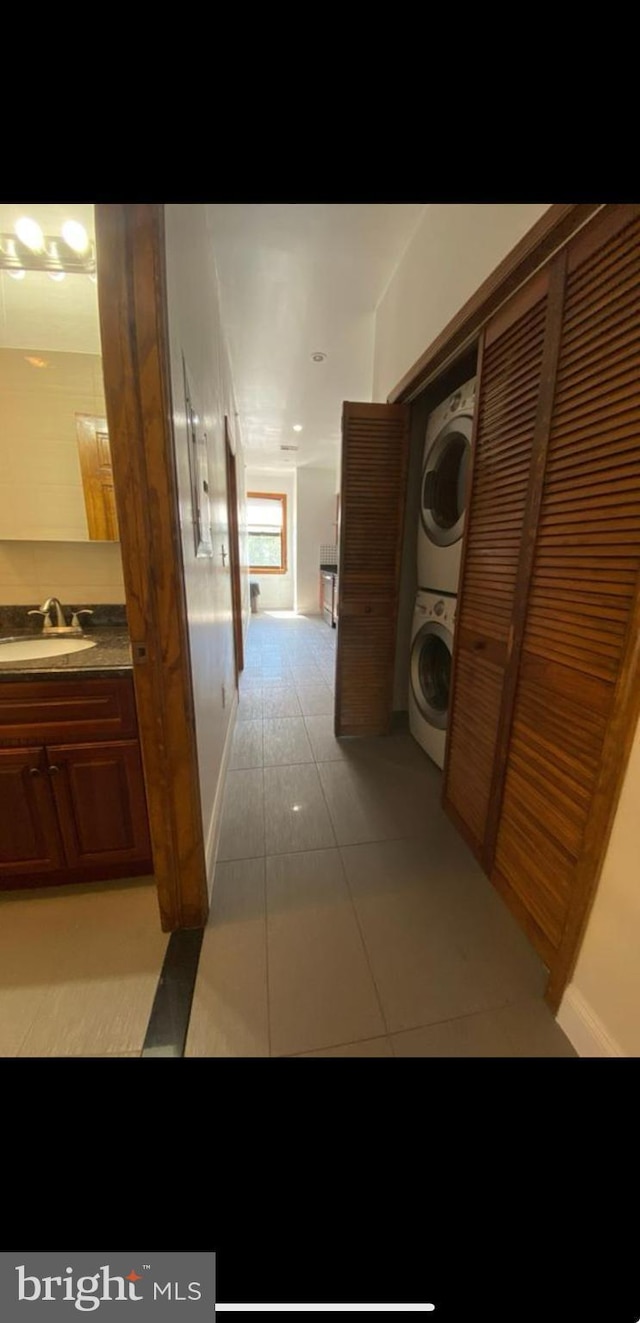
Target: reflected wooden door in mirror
97,478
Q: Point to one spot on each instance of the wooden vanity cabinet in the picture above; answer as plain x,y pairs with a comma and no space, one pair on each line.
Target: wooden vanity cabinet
72,807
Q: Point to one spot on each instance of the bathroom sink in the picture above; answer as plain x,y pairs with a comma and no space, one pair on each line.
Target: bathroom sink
13,650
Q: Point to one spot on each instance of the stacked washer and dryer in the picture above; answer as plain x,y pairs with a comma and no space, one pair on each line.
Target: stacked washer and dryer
445,469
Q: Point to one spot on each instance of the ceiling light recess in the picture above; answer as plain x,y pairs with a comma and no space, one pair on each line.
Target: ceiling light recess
318,356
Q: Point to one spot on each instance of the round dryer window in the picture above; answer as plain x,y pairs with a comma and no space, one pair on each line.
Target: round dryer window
444,482
431,672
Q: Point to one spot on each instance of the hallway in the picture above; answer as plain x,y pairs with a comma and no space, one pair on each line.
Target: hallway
348,917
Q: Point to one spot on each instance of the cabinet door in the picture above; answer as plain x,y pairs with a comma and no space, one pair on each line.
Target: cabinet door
375,444
29,837
508,435
101,803
579,623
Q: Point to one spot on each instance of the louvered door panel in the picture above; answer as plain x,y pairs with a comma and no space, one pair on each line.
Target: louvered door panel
375,444
505,424
582,589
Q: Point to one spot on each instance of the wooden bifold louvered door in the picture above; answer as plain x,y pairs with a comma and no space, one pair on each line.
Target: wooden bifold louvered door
375,447
550,588
505,433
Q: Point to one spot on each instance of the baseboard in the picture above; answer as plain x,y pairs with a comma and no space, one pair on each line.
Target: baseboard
213,834
584,1028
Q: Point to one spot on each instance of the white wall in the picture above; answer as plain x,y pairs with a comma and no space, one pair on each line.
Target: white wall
277,591
602,1003
195,330
316,505
456,246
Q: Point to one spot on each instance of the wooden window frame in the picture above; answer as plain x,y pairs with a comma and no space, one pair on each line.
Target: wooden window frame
283,568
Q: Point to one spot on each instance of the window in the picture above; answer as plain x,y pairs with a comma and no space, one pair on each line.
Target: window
267,527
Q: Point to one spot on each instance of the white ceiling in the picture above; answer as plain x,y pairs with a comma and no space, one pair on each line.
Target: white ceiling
40,313
296,278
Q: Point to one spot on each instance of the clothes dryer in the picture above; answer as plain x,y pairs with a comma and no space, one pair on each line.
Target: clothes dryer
445,471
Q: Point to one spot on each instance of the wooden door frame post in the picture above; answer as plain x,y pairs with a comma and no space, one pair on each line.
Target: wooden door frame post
135,356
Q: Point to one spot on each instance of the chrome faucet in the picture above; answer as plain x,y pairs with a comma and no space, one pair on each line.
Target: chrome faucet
61,626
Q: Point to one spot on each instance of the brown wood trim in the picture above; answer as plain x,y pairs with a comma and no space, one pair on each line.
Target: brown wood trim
550,232
538,939
548,370
273,496
619,737
518,306
234,547
612,220
463,560
135,358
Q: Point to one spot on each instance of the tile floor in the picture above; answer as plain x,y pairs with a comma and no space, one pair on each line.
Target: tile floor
79,967
348,916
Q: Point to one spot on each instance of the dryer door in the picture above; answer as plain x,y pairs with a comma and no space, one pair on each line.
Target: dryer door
444,482
430,672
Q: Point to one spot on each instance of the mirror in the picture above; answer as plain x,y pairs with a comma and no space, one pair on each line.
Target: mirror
55,463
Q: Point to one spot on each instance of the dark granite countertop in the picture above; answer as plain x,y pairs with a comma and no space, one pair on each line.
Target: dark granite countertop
110,658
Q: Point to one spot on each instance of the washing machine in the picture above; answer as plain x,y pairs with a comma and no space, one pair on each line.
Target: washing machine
445,470
430,671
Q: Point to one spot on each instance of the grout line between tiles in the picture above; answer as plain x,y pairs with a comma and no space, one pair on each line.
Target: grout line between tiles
364,944
328,1047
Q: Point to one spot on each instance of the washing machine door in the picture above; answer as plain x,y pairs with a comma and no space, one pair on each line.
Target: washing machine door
444,482
430,672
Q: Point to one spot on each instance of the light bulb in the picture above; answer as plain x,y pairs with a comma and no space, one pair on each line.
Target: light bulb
30,234
56,275
76,236
17,275
297,427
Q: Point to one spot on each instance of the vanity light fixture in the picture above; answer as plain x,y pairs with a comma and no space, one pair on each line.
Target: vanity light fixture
30,234
28,249
75,235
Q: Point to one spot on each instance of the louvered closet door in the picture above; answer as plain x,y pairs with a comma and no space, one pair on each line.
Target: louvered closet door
583,585
375,445
510,374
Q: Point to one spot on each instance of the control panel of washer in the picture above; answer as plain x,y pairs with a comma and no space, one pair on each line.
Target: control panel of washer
442,609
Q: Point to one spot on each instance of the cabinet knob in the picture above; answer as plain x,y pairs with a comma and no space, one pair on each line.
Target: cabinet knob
53,768
34,771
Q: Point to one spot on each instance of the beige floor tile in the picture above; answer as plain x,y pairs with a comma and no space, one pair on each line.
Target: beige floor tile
320,987
229,1016
411,914
372,1047
242,827
247,745
469,1036
285,741
96,956
281,701
295,811
326,747
250,703
315,700
374,801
